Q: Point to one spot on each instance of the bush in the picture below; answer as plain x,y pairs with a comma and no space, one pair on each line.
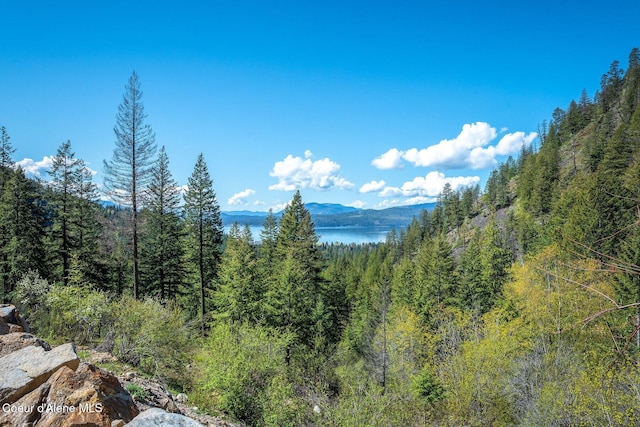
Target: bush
31,297
151,336
235,368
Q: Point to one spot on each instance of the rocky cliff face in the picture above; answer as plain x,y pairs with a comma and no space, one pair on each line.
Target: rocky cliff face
44,386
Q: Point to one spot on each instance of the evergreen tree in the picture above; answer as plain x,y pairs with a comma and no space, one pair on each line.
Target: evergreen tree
239,296
204,229
22,215
435,275
495,261
128,174
296,289
6,162
6,172
614,201
470,272
75,228
268,240
162,243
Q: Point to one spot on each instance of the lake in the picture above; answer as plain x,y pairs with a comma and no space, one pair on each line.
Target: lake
344,235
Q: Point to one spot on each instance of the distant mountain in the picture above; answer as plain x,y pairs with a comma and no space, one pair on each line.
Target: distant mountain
336,215
328,208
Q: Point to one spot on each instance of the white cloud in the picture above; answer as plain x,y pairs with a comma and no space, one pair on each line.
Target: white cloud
241,197
372,186
296,173
430,185
453,153
392,159
359,204
34,168
279,206
511,143
470,149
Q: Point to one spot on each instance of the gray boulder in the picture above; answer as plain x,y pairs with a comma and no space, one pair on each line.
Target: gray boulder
157,417
26,369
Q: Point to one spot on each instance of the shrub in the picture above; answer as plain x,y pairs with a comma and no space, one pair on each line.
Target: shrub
151,336
236,367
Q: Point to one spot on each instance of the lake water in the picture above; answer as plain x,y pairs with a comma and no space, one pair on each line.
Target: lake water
344,235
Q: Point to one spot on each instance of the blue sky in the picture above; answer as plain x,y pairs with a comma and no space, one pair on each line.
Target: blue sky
370,104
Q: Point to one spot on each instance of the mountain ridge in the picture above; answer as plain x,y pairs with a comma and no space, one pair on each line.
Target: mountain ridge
337,215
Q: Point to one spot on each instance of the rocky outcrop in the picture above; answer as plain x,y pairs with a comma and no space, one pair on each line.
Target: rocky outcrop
10,320
19,340
26,369
50,387
157,417
45,386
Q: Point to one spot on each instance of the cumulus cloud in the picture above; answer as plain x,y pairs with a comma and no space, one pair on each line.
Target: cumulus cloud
372,186
295,173
453,153
470,149
511,143
241,197
33,167
392,159
359,204
430,185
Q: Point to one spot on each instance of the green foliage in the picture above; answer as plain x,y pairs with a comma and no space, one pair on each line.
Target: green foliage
427,387
23,218
204,230
163,251
239,296
137,391
31,297
240,370
77,313
152,336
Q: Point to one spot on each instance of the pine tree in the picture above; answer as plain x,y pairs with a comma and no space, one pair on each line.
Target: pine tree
162,243
268,240
6,162
470,271
128,174
435,275
239,297
75,228
495,260
204,229
6,172
22,215
296,289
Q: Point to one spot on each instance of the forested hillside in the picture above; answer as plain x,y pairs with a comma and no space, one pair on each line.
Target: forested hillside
516,306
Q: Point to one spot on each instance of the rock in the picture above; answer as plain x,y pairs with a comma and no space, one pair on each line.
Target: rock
157,417
24,370
316,409
15,328
129,375
117,423
15,341
4,326
182,398
11,316
25,412
88,397
92,396
155,396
